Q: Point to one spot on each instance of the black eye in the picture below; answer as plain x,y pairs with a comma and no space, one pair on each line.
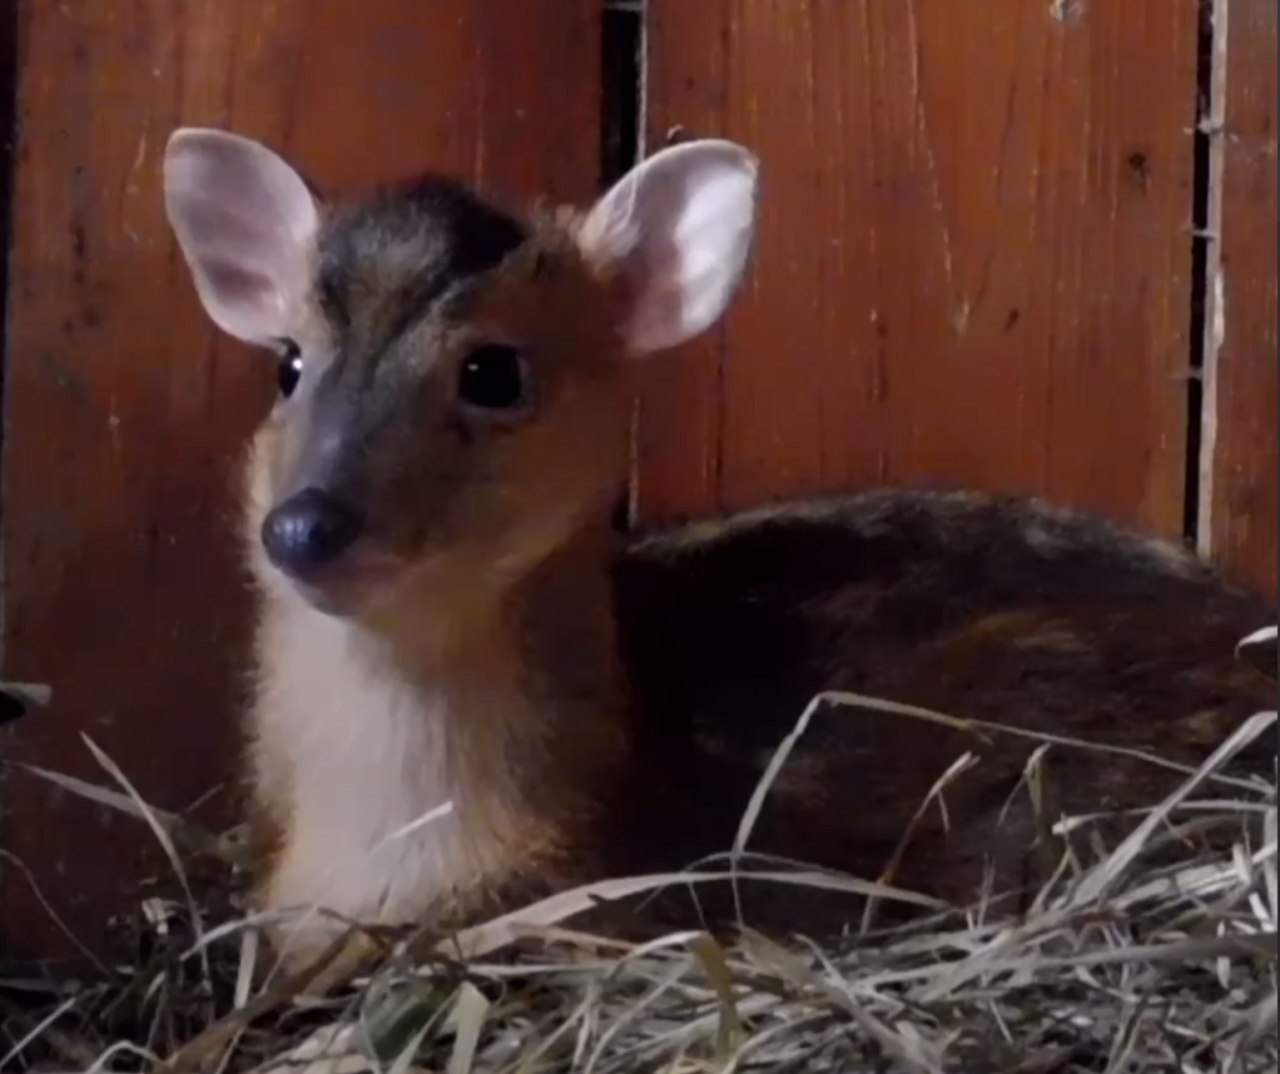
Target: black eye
289,367
492,378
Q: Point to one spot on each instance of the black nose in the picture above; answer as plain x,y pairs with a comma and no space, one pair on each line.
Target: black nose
309,530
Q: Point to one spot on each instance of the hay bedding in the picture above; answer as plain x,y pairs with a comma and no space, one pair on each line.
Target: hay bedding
1123,965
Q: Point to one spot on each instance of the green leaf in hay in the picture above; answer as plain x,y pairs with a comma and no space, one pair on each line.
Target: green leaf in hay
398,1016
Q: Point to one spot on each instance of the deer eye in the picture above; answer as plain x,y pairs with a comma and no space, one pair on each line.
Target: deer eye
288,367
492,378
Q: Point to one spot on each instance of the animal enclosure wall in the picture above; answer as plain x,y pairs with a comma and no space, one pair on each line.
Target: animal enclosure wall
124,410
1238,501
1018,244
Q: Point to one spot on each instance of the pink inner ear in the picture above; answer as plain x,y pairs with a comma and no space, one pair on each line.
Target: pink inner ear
245,232
648,289
239,286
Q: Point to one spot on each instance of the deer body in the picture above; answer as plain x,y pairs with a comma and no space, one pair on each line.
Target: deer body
470,690
443,759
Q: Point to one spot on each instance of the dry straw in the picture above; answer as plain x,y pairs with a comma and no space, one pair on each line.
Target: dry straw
1122,965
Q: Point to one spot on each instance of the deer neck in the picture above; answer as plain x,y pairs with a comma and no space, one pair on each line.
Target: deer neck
496,709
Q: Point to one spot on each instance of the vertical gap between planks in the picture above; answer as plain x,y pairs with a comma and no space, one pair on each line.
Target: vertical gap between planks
8,169
622,145
622,71
1208,297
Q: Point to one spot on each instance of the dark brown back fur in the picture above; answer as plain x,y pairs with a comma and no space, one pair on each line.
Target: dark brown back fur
984,608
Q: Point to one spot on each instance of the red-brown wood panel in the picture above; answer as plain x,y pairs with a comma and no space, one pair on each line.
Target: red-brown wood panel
974,257
124,409
1242,447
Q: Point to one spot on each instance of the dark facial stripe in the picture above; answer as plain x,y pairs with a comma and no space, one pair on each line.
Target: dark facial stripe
448,232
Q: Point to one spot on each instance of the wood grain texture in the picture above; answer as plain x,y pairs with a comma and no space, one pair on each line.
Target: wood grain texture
974,258
123,407
1241,491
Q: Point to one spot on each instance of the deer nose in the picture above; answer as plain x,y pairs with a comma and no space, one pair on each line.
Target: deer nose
309,530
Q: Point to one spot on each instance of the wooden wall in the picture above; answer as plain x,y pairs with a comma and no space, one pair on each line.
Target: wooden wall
975,267
123,409
1238,525
975,259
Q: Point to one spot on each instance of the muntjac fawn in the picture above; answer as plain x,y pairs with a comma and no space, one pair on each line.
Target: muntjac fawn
471,690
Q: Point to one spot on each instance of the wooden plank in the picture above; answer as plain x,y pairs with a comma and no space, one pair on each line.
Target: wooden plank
974,259
1241,447
124,409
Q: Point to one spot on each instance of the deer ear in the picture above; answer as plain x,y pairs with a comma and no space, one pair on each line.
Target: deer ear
246,223
679,229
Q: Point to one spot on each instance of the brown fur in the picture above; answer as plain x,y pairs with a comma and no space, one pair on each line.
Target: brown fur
612,704
941,601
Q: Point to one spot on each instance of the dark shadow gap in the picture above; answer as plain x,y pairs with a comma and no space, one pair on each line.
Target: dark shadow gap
1202,241
622,60
622,44
8,169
